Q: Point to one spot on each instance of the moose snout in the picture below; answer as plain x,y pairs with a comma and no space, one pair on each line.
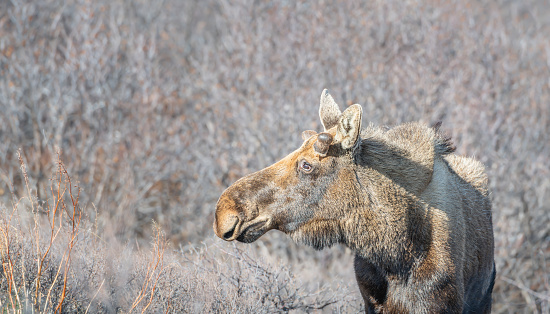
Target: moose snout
226,221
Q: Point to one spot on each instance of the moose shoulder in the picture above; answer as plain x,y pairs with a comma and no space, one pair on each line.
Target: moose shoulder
417,216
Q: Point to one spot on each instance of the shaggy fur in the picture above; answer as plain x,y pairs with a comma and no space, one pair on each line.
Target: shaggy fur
417,216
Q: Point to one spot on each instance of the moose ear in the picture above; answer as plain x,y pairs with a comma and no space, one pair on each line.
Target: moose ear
328,111
307,134
349,126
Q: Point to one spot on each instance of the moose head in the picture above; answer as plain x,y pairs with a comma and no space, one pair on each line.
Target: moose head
301,195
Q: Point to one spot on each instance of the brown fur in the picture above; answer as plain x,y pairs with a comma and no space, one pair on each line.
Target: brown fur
417,216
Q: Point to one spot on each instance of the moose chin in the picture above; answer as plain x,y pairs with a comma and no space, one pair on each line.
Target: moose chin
417,216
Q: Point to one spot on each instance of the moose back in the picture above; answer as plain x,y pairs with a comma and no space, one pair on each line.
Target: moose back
417,216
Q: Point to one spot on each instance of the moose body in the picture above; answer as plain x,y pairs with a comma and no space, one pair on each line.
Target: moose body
417,216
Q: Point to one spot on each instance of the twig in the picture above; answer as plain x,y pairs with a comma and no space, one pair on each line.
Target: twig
158,255
524,288
75,224
92,300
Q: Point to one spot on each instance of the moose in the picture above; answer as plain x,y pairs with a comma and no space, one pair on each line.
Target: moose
416,215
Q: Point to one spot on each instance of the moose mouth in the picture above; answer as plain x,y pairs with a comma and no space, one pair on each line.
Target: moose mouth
253,230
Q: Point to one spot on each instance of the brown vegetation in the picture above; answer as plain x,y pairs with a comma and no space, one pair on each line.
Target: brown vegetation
152,103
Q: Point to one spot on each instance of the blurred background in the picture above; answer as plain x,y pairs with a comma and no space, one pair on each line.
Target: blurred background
155,107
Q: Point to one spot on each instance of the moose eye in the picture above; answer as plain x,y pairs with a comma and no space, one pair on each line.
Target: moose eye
305,166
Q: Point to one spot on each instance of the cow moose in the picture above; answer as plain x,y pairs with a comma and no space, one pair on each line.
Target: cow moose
417,216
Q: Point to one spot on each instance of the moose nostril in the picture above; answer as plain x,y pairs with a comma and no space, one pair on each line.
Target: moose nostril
228,226
228,234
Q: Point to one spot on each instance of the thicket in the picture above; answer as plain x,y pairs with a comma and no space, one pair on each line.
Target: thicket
155,107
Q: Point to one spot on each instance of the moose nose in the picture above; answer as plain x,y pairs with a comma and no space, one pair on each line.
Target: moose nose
227,221
229,226
225,226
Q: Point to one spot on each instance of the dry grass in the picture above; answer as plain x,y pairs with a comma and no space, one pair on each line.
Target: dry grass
157,106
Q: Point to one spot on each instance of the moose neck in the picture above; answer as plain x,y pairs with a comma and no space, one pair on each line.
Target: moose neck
405,164
391,177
